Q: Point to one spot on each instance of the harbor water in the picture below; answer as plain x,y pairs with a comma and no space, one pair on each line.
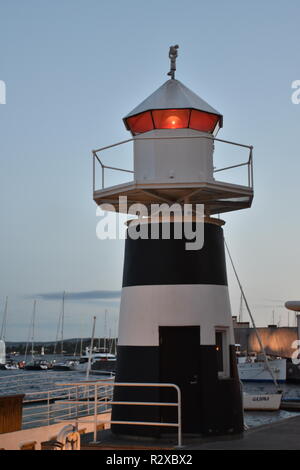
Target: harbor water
46,392
31,382
258,418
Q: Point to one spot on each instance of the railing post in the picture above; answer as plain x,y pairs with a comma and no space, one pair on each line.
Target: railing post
48,407
179,418
89,391
76,421
70,404
252,183
95,414
249,167
94,171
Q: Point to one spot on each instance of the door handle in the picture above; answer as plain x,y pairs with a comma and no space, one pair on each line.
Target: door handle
194,380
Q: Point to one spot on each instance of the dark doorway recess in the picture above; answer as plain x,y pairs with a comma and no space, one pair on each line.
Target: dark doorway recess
179,348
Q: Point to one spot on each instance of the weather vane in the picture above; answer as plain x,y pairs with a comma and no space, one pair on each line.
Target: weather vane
173,55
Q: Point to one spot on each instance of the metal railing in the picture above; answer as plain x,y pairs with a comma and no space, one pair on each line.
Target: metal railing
111,402
96,158
44,408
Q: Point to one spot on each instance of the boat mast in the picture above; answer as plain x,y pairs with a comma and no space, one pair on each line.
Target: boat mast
28,337
105,330
81,337
91,349
4,321
252,319
241,309
75,349
32,328
62,322
57,332
116,336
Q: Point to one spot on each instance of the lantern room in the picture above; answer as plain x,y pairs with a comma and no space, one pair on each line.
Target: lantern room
173,130
173,106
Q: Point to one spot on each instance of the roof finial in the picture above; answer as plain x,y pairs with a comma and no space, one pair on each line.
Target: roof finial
173,55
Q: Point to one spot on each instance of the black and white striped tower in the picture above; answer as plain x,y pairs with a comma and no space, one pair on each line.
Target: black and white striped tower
175,318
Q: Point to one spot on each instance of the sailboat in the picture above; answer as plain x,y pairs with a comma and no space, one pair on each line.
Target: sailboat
63,365
34,364
253,368
4,364
262,402
104,361
101,361
258,402
2,353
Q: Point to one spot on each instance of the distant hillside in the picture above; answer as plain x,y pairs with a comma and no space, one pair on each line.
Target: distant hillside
70,345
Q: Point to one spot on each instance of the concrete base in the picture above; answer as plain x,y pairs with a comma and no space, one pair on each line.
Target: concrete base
282,435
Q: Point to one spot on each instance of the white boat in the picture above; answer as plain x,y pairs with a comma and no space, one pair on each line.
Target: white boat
9,365
262,402
37,364
257,371
2,352
65,365
104,357
99,358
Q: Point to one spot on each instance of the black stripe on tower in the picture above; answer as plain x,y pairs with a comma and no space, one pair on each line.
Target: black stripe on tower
163,262
137,364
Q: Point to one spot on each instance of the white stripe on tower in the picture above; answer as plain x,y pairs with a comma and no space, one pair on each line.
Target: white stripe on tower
145,308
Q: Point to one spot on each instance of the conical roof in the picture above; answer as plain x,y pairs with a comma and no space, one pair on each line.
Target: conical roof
173,95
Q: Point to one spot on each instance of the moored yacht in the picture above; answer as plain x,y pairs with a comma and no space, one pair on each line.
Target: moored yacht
253,370
9,365
38,364
99,361
66,365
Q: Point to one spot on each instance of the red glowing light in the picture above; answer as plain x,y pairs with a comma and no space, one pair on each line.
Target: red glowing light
140,123
173,119
204,122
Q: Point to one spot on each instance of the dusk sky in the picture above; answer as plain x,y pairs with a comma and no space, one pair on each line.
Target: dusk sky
73,69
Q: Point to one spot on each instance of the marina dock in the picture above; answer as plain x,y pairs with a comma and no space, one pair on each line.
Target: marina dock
280,435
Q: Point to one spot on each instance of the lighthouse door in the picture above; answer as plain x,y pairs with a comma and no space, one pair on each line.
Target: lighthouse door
179,364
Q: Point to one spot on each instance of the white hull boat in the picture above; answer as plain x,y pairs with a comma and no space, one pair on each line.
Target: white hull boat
264,402
258,371
98,360
9,366
66,365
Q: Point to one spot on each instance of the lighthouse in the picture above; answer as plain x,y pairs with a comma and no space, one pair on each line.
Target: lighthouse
175,318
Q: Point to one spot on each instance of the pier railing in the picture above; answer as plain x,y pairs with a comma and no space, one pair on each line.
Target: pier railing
108,402
98,160
44,408
72,401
